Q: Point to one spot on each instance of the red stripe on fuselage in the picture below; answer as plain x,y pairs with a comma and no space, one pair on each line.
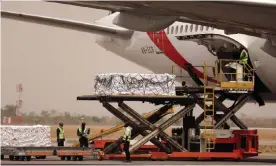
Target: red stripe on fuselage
161,40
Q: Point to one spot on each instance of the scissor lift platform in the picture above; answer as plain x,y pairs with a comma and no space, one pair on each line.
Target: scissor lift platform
180,153
205,97
167,101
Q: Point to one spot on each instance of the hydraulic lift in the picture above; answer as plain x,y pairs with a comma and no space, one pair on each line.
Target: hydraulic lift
243,142
151,116
147,124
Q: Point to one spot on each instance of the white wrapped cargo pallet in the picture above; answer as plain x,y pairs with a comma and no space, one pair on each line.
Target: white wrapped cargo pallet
35,136
134,84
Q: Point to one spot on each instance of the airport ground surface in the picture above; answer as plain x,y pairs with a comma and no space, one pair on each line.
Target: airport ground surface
263,159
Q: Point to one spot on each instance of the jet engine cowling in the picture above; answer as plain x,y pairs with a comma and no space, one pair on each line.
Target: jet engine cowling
144,22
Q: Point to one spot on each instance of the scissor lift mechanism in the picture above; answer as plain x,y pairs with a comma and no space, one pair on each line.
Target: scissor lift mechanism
144,124
209,103
152,115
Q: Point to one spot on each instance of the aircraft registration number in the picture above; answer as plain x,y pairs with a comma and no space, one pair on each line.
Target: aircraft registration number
147,50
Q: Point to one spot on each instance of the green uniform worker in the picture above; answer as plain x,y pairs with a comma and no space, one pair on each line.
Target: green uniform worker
126,141
83,133
243,57
60,135
243,60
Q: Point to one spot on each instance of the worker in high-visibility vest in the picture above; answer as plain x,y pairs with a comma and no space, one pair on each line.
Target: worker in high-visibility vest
243,62
239,66
83,135
126,141
60,135
243,57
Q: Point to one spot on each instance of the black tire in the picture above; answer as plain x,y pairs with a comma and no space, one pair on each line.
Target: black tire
16,158
37,157
80,158
28,158
62,157
75,158
11,158
22,158
116,150
42,157
68,158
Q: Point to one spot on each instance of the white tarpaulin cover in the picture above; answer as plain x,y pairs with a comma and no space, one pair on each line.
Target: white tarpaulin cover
134,84
36,135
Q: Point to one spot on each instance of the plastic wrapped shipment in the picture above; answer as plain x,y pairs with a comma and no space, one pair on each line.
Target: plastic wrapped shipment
134,84
35,136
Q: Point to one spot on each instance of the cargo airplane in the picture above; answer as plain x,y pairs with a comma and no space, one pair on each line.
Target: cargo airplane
177,45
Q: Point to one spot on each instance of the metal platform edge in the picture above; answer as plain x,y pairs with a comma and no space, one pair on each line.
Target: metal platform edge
156,99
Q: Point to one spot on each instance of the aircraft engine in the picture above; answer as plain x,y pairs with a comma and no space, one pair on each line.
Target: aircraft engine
144,22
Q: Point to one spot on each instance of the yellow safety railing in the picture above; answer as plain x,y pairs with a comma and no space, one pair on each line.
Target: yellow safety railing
247,74
174,71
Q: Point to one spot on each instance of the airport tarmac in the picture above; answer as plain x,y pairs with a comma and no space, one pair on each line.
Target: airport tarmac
263,159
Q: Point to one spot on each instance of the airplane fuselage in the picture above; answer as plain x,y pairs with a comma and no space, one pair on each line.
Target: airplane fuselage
167,52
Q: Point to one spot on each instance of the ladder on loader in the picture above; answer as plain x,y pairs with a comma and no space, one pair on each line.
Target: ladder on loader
209,113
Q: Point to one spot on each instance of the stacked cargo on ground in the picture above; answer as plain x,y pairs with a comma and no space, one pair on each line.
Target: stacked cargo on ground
35,136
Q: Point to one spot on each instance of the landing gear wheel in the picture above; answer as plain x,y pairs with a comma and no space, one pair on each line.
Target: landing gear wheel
11,158
62,157
68,157
28,158
2,157
75,158
80,158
